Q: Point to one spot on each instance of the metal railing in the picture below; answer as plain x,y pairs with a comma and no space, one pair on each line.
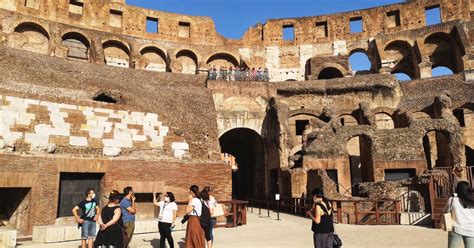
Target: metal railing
360,212
239,75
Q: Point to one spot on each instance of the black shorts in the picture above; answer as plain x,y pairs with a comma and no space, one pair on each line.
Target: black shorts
207,233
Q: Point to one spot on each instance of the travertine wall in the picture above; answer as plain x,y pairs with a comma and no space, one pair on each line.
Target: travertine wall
46,125
410,47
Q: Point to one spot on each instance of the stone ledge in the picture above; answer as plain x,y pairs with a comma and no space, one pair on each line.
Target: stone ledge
64,233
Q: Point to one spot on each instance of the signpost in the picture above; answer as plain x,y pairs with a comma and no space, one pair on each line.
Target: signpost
277,198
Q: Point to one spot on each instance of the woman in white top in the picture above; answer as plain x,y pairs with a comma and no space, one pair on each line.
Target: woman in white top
166,218
194,233
462,208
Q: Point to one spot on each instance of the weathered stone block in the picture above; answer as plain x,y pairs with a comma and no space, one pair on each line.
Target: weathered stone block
111,151
7,238
37,139
78,141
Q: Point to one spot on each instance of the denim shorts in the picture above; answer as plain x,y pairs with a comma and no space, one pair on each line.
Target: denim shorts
88,229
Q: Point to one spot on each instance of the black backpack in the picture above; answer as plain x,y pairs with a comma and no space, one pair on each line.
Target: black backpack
205,218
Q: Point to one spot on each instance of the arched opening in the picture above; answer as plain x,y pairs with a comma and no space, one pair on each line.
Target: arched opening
440,71
222,60
348,120
359,62
401,60
436,149
330,73
31,37
384,121
402,76
359,149
443,51
188,61
116,54
248,149
78,45
155,59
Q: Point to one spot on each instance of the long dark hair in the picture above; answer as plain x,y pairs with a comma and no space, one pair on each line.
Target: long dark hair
465,194
195,190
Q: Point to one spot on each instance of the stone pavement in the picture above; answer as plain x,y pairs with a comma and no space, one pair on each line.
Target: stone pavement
294,231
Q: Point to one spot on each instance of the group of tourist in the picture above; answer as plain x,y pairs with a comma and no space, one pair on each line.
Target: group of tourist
238,74
117,218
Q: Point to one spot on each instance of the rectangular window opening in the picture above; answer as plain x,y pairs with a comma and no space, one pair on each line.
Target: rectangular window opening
399,174
152,25
356,25
393,19
288,32
184,30
433,15
34,4
322,29
300,126
333,175
76,6
116,18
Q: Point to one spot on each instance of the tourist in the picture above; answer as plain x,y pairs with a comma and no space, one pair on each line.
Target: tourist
259,74
87,220
129,211
194,232
166,218
212,204
461,206
112,231
322,224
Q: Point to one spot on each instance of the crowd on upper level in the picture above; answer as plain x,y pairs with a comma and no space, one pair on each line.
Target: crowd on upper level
238,74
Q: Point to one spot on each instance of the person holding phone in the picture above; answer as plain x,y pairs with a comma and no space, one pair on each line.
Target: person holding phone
166,217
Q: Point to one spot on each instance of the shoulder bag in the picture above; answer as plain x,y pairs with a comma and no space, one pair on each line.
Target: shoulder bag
446,221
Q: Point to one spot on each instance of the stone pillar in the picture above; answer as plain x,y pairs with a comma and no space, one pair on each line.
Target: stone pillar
425,69
299,179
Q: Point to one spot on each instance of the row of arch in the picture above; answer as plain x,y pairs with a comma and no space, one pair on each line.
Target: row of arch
440,50
33,37
441,53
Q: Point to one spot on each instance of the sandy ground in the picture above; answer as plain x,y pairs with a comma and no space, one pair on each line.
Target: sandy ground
292,231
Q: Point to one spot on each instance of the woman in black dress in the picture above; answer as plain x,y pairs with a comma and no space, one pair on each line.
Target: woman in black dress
111,226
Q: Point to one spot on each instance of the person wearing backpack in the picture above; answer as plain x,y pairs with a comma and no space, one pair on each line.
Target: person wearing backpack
194,231
206,220
322,224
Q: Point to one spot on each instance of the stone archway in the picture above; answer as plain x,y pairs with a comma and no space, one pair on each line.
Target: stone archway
248,148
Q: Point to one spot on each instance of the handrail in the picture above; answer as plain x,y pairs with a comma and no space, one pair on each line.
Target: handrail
383,211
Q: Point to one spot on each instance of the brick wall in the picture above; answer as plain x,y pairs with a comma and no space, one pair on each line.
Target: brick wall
147,176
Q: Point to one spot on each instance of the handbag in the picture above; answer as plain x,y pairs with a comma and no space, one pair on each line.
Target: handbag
218,211
446,221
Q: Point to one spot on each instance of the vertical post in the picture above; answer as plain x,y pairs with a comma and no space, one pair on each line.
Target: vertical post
268,207
397,215
244,214
377,218
356,214
278,210
234,213
339,212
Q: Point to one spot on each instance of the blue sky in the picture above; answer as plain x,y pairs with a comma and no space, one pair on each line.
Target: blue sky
233,17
